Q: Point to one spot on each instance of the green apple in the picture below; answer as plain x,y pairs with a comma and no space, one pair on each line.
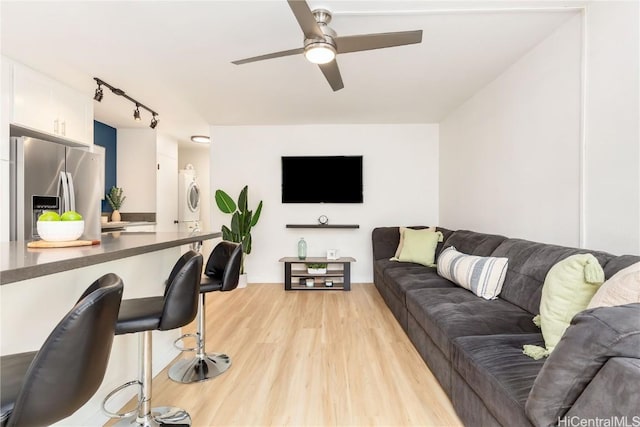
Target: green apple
49,216
71,216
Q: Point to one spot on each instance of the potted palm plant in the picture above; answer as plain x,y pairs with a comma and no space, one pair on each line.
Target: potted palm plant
116,199
242,221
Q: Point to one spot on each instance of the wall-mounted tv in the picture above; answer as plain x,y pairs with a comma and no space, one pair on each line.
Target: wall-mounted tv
322,179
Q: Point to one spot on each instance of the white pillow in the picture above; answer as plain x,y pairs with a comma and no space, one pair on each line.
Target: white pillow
622,288
483,276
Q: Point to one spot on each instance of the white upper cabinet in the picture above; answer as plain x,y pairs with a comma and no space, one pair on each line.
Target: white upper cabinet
45,105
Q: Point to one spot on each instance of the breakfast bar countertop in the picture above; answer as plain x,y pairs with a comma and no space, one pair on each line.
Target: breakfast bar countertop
17,262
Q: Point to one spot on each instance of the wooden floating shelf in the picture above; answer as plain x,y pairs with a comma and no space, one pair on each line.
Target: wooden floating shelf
352,226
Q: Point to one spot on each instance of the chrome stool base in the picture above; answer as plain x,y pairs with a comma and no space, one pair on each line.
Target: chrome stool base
187,371
160,416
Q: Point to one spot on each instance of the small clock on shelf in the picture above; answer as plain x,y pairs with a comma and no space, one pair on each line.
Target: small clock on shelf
323,220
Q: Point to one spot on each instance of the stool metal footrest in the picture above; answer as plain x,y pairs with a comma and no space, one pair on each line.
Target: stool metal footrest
187,371
113,393
160,416
183,337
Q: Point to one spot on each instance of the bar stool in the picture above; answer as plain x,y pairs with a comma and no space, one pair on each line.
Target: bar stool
45,386
222,273
176,308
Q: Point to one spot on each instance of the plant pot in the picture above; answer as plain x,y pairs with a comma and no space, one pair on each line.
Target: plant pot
242,282
316,270
115,216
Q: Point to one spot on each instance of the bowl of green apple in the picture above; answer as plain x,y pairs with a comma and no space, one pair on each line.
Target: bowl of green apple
53,227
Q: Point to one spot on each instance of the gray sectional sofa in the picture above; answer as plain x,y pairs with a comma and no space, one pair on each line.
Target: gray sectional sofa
474,346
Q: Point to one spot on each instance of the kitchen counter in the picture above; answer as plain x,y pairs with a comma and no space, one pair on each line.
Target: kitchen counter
41,285
18,263
113,225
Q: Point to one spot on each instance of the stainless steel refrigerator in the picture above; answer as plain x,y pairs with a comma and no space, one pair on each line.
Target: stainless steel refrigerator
50,176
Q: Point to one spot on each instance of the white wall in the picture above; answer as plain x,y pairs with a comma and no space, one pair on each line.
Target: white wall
136,165
509,156
400,174
613,133
525,129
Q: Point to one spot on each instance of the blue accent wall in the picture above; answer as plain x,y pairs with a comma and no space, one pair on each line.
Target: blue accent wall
105,136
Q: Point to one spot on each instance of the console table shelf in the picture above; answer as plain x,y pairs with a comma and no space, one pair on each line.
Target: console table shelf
338,273
353,226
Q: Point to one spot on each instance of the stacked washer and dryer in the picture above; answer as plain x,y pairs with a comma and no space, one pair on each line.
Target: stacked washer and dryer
188,199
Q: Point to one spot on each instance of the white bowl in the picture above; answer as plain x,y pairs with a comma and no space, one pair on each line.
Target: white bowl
60,231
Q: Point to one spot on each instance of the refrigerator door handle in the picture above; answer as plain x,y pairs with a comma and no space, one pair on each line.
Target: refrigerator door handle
63,191
72,193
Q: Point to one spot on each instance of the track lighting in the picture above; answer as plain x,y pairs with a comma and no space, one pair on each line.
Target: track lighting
136,113
98,96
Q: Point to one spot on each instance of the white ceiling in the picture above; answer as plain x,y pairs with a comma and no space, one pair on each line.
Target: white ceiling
175,57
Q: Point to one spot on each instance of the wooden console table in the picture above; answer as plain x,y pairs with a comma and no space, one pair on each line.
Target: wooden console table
338,274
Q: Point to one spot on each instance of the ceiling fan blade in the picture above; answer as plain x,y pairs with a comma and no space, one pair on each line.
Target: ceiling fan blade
269,56
305,19
377,41
332,74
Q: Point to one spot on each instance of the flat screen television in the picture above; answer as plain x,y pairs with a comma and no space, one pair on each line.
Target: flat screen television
322,179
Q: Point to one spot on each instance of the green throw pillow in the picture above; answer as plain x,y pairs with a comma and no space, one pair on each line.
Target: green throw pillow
568,287
419,246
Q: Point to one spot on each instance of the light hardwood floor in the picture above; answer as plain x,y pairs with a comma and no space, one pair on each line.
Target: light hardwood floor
309,359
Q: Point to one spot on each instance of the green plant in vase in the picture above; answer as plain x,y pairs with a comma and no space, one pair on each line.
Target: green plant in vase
116,198
242,219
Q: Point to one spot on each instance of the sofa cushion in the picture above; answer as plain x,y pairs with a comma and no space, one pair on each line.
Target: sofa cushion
483,276
401,280
448,313
419,246
495,369
595,336
472,243
615,391
622,288
529,263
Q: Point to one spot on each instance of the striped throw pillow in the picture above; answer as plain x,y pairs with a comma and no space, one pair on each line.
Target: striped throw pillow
483,276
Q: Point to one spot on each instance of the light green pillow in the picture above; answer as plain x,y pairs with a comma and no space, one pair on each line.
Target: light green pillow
419,246
568,287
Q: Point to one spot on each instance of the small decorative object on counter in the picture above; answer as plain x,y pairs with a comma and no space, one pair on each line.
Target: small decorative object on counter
310,283
328,283
302,248
332,254
116,199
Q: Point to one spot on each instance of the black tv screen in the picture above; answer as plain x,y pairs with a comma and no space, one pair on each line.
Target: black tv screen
322,179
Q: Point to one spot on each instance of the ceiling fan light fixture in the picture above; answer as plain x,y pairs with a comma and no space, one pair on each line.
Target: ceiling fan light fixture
320,53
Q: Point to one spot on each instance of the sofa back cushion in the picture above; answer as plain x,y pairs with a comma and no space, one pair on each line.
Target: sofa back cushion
385,240
529,263
472,243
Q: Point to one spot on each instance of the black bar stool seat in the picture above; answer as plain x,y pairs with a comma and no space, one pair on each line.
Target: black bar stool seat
45,386
221,273
175,309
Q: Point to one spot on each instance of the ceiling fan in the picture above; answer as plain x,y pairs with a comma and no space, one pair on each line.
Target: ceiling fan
321,43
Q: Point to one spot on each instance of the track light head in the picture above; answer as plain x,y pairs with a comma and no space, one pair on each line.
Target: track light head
154,122
98,95
136,113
